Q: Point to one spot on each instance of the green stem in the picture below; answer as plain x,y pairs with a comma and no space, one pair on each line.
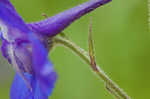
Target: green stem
113,87
111,91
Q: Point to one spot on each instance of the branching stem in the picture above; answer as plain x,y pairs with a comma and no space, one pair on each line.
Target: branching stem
112,87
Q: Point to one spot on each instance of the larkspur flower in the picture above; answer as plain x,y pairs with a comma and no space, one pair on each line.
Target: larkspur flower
25,46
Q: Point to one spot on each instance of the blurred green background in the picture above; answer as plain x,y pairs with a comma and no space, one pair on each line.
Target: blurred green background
122,44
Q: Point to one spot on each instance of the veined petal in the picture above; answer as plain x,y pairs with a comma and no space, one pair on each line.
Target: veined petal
42,67
4,50
11,24
59,22
43,76
23,56
9,16
20,90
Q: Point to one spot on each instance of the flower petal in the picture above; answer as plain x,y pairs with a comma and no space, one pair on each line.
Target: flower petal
43,75
7,3
11,24
4,50
9,16
42,67
20,90
59,22
23,56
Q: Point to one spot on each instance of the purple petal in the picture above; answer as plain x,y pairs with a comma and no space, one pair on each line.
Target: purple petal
17,33
42,67
9,16
7,3
4,50
20,90
23,56
12,25
59,22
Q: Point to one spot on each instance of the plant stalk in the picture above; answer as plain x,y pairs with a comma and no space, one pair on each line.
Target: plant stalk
114,89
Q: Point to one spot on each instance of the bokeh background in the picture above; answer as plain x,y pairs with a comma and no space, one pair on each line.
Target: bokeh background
122,45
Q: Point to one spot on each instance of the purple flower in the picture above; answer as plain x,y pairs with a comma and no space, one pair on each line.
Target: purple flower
25,46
